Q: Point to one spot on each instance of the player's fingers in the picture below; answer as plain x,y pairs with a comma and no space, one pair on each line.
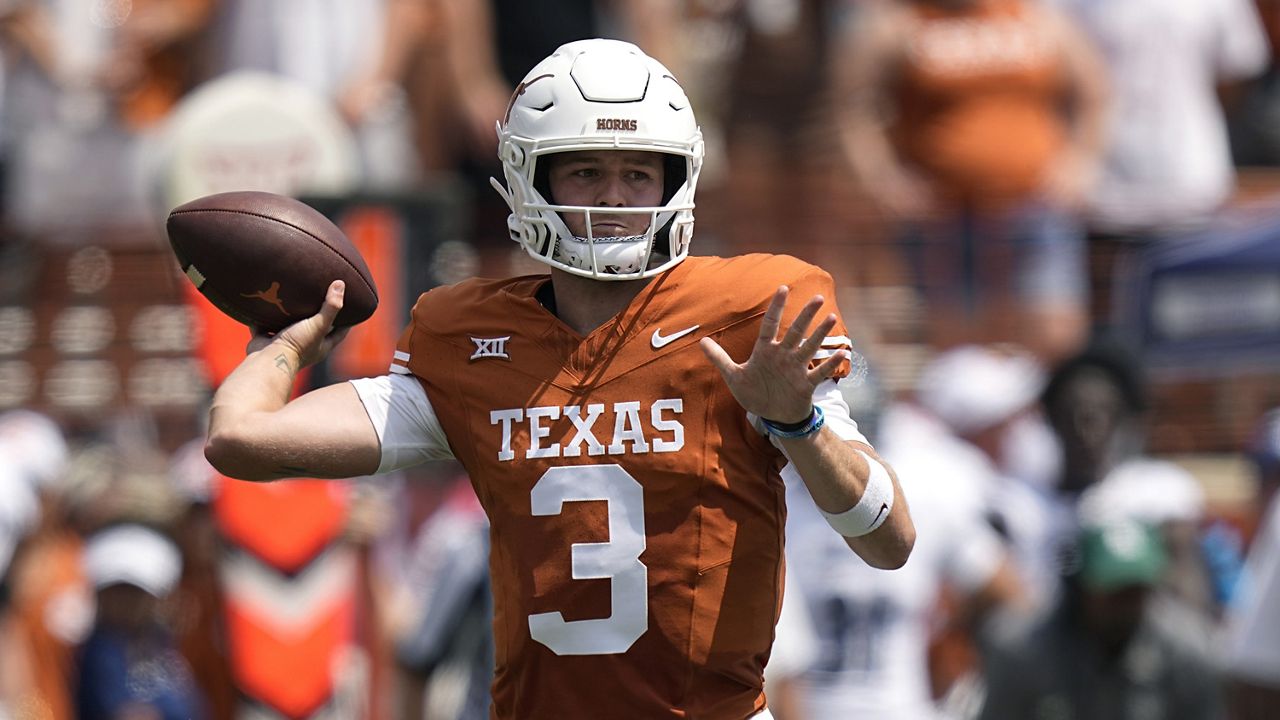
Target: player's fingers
814,342
773,315
828,367
332,302
799,326
717,356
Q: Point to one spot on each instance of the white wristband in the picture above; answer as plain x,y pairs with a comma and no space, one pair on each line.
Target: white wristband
873,507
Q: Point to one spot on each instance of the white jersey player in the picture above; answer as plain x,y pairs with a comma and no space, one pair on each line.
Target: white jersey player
874,628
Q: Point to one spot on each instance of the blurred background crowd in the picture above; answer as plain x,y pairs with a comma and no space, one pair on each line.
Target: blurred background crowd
1054,227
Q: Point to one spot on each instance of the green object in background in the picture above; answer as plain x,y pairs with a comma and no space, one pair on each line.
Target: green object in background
1121,554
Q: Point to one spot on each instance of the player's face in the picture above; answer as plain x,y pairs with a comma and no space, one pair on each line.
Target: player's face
607,178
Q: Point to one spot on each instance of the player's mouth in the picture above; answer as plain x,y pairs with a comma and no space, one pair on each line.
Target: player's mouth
614,228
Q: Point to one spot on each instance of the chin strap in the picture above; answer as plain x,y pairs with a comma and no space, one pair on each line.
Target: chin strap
610,240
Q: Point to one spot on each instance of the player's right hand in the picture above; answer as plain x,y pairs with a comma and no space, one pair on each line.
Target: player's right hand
778,379
310,339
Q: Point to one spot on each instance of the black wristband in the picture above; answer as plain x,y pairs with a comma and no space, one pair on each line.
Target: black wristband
803,429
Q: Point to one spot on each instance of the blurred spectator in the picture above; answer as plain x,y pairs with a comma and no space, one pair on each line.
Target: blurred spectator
492,43
874,629
951,112
795,649
35,446
1264,451
441,613
1253,643
88,80
198,623
1254,116
776,127
52,602
19,512
1096,403
983,399
23,471
1253,623
1111,649
50,605
130,667
1167,162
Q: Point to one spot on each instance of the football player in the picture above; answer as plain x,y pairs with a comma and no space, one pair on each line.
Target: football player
628,462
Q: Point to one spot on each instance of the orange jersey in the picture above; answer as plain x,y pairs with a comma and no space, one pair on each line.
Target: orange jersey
637,515
980,94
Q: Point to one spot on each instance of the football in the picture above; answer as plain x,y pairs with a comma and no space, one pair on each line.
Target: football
267,260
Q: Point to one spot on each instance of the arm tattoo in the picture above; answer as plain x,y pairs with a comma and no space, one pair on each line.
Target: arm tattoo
282,362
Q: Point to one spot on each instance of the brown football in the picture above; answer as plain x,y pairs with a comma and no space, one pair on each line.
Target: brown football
267,260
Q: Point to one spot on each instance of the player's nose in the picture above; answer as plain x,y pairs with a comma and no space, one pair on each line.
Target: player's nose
612,191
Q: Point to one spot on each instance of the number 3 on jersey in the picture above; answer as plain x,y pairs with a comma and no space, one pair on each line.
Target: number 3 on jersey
618,560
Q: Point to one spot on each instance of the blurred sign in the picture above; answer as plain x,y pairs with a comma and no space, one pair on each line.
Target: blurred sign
1188,307
1208,304
256,131
103,328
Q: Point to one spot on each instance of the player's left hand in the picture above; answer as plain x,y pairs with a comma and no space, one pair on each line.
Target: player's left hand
776,381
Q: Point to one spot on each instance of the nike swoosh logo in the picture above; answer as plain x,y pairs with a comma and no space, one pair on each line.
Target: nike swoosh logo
883,507
660,340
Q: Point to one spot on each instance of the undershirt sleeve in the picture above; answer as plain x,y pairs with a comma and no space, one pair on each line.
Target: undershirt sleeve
407,426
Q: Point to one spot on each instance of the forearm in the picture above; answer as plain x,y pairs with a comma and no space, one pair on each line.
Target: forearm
1090,93
870,152
407,23
653,25
257,433
864,95
1088,130
469,47
837,474
239,438
28,29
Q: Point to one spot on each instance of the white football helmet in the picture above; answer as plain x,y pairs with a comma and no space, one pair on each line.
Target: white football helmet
599,94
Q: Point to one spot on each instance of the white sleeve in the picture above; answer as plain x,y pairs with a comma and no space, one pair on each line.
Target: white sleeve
1243,50
1253,637
972,555
407,426
946,491
835,414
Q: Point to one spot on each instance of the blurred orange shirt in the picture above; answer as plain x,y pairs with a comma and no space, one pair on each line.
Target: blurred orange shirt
979,99
53,604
